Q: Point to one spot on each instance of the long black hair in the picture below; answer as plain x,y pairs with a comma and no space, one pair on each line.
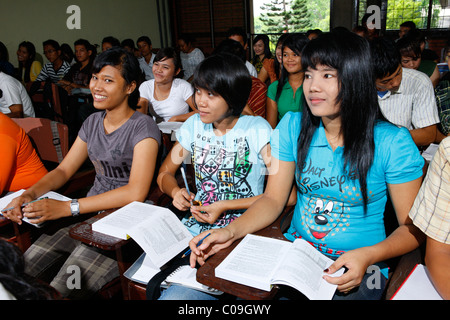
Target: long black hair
13,278
27,64
265,39
127,64
349,54
296,42
276,64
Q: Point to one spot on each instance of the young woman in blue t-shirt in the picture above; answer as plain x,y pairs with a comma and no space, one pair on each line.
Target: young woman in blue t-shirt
229,153
344,158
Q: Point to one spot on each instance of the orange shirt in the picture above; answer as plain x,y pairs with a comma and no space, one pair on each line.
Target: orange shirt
20,166
270,68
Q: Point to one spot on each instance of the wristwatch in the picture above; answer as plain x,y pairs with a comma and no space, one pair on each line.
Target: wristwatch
74,207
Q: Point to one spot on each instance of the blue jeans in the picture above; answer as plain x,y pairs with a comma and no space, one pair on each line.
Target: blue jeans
176,292
363,292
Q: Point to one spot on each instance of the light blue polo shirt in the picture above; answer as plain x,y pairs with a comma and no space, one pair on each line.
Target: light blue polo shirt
330,212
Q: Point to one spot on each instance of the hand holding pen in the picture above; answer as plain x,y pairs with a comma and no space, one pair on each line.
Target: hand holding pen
23,205
186,185
16,215
199,243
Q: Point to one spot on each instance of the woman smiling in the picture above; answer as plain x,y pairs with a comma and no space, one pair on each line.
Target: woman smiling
167,97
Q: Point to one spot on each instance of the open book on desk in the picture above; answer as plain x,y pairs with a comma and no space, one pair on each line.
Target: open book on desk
4,201
262,262
161,235
155,229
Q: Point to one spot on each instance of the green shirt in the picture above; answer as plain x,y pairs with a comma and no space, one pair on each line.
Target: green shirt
427,67
287,101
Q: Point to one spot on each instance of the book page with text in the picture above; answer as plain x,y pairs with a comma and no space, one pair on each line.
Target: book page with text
303,268
253,261
162,236
120,221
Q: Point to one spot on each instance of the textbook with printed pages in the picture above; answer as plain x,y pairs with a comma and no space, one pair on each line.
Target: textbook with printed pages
262,262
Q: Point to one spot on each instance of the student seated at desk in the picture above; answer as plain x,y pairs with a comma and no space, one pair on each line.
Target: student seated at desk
29,68
344,158
14,99
410,50
167,97
20,165
431,214
406,96
123,146
76,87
229,153
55,69
286,94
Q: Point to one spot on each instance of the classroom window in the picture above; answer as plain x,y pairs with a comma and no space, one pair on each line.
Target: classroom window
274,17
426,14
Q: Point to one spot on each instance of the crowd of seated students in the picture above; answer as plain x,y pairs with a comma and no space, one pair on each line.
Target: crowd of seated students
277,82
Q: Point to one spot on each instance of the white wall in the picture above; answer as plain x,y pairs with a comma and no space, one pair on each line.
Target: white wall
39,20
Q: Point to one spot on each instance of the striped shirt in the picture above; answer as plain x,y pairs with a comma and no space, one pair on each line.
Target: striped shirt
414,105
147,68
48,72
431,208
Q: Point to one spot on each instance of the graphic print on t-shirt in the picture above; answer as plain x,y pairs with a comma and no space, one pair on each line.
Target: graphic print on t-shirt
328,202
222,174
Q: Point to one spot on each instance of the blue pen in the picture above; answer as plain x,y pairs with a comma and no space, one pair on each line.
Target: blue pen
199,243
186,184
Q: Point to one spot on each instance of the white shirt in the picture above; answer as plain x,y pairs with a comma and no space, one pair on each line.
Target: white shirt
147,67
5,294
251,68
190,61
175,104
414,104
14,93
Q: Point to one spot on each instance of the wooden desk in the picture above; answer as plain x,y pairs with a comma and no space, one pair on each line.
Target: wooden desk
206,275
125,258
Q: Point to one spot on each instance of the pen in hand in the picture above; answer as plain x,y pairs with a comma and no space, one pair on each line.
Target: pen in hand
23,205
199,243
186,184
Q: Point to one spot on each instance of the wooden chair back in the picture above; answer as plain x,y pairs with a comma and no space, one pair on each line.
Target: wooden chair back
50,138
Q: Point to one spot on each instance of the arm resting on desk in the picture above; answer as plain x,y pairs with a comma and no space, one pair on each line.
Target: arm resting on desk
262,213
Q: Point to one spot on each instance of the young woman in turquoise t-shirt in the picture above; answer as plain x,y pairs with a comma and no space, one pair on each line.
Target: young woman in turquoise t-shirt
344,158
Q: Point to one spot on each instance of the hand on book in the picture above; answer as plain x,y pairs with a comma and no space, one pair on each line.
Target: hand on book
356,262
46,209
217,240
15,214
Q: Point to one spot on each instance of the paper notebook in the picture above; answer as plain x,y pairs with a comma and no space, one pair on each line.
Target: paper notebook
143,270
4,201
417,286
186,276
